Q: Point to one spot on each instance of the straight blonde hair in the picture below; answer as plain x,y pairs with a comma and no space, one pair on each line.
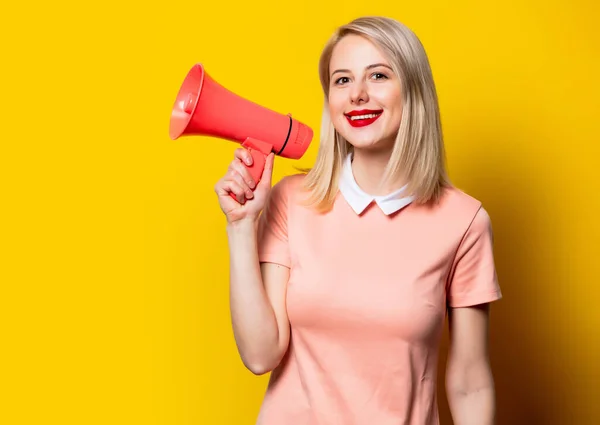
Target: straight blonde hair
418,154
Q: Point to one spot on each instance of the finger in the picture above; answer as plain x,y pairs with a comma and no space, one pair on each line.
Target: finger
223,187
265,180
244,172
237,177
232,187
244,156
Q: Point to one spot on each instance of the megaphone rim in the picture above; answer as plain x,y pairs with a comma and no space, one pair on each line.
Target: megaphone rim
176,127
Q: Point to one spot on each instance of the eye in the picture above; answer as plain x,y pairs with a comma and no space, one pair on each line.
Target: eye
379,76
342,80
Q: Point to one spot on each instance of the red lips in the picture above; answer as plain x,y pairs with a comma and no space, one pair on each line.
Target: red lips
369,116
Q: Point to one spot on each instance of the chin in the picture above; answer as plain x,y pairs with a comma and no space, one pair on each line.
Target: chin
363,143
369,142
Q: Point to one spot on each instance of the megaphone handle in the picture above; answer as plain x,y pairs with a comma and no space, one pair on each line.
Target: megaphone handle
258,164
259,151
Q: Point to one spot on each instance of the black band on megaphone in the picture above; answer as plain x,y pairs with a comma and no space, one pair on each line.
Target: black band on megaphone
287,137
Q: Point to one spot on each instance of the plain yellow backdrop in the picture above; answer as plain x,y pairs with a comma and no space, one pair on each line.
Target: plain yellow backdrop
114,280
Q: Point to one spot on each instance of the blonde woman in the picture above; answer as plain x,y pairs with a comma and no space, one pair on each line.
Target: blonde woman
341,277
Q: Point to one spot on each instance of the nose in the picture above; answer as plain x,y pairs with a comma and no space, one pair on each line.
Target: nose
358,93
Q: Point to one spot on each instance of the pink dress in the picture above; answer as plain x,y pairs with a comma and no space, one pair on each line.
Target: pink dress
367,300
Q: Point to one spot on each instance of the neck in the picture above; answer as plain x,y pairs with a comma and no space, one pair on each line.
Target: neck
368,168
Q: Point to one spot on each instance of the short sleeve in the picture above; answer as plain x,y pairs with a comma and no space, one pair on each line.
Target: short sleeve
273,244
474,279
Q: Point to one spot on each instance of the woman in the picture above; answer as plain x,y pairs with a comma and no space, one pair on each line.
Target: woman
341,285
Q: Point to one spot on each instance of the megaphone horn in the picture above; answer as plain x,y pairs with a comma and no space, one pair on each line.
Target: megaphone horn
203,107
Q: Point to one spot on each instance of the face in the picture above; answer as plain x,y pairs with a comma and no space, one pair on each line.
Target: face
364,94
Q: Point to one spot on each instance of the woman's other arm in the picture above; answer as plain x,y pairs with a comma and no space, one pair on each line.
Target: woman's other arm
469,381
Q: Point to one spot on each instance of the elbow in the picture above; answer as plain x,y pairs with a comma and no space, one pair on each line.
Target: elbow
258,369
260,365
263,358
465,381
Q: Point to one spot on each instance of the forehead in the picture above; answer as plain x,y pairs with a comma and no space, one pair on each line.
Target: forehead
355,53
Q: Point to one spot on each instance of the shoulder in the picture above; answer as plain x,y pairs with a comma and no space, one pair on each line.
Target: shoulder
288,186
463,210
458,202
283,191
290,182
456,199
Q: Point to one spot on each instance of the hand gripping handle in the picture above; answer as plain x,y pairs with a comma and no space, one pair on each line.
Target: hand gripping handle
259,151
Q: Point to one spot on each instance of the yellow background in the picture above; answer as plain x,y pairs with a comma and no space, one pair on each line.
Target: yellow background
114,260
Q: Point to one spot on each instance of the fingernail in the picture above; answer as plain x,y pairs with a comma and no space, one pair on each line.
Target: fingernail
251,183
248,161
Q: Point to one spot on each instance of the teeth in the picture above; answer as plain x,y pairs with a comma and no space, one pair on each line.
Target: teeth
363,117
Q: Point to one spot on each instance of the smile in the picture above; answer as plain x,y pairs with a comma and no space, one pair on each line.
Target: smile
363,118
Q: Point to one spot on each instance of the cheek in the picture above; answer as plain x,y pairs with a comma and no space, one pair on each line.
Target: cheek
336,104
393,103
388,98
336,108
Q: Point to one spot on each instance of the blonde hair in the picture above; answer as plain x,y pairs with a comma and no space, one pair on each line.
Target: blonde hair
418,152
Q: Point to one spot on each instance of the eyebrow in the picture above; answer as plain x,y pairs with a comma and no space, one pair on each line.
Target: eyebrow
375,65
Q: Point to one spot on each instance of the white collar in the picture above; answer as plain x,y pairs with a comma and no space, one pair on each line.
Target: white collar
359,200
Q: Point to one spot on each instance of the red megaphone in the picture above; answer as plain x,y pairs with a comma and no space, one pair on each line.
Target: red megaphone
205,108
